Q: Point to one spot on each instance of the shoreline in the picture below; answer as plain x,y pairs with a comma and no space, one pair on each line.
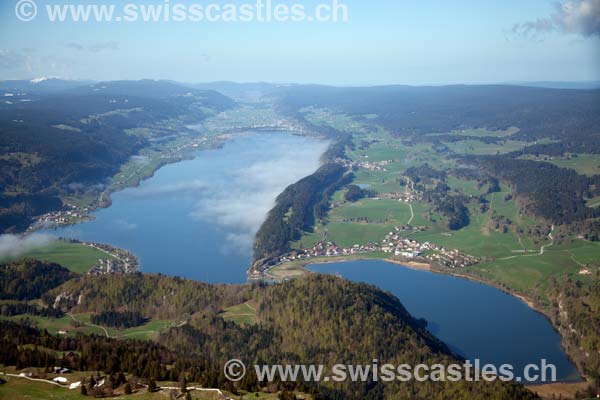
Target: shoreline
104,200
302,269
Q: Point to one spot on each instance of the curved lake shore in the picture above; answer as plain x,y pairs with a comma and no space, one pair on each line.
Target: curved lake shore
476,320
197,218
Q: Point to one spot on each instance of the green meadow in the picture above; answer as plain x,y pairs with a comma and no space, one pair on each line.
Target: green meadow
75,256
242,314
80,323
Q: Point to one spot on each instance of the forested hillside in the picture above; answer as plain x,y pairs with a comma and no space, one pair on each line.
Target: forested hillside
30,279
52,143
319,319
555,194
404,110
296,209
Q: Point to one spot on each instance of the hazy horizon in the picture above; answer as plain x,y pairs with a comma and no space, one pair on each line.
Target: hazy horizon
559,84
426,43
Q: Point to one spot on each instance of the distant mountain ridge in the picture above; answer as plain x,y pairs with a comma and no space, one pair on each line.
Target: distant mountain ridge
41,85
58,133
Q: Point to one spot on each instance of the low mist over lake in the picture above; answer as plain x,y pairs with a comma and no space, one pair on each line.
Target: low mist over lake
197,218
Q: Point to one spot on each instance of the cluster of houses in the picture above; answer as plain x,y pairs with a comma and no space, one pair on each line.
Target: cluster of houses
120,261
327,249
58,218
410,249
368,165
410,228
393,243
374,166
279,124
111,266
452,259
408,195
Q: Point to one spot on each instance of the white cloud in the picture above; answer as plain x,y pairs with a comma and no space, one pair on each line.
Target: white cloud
241,206
576,17
239,202
17,245
176,188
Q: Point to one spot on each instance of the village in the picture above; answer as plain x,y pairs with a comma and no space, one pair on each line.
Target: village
119,261
394,243
61,218
368,165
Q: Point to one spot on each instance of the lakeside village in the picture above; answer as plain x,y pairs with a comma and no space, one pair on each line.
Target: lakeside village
368,165
61,218
119,261
404,248
277,125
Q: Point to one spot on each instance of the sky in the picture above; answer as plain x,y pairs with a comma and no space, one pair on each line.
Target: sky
382,42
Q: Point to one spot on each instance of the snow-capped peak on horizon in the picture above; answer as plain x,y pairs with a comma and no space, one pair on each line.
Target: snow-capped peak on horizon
42,79
38,80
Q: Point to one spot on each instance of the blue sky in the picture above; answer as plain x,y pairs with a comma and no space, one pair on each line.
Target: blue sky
384,41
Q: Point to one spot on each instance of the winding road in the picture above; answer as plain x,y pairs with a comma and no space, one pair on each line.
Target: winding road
412,214
542,249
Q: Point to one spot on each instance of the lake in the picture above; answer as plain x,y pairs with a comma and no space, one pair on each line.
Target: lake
197,219
475,320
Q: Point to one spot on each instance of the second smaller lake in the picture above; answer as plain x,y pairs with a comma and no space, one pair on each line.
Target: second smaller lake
475,320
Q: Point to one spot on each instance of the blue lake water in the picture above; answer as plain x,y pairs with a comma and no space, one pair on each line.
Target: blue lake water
197,219
475,320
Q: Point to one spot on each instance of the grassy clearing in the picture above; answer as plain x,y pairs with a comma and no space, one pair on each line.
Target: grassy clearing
476,147
136,170
17,388
324,117
594,202
309,239
347,234
482,132
242,314
22,389
80,323
74,256
54,325
584,164
384,210
403,155
526,272
380,182
465,186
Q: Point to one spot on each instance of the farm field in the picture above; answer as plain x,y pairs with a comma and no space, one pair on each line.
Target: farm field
80,323
242,314
18,388
476,147
525,273
75,256
585,164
